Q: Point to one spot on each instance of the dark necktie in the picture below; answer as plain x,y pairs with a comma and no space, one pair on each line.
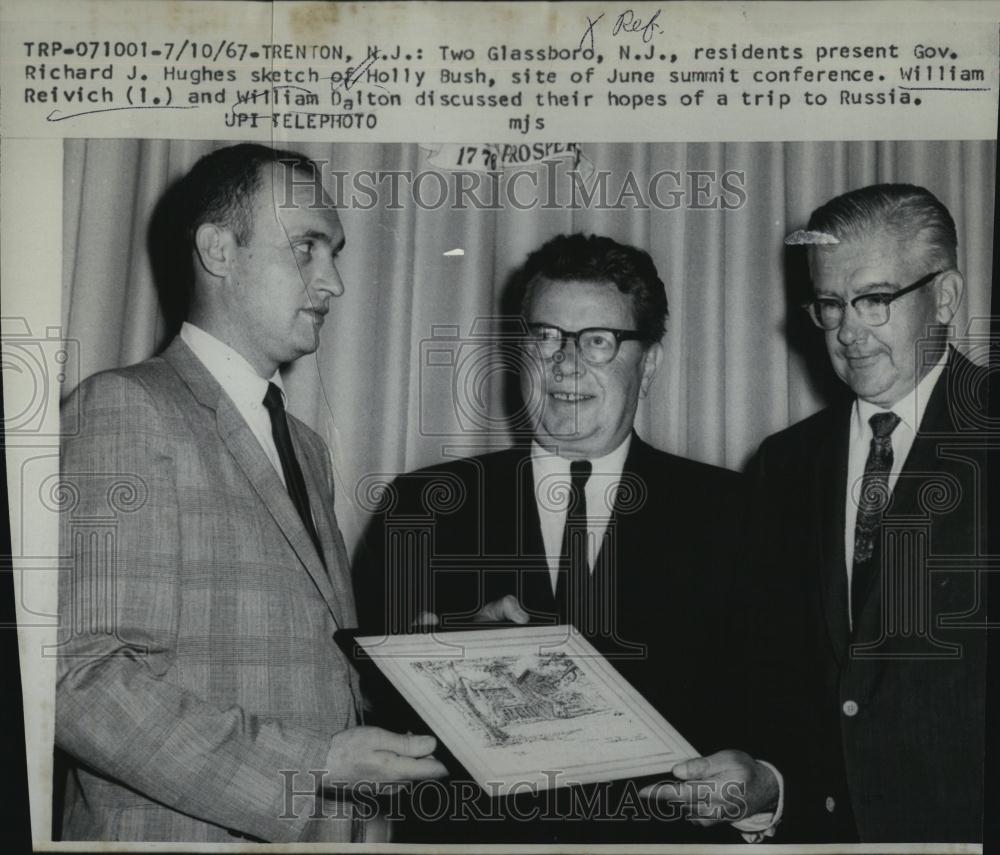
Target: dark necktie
871,505
289,464
574,574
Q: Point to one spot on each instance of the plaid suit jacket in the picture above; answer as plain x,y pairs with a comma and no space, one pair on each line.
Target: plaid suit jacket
198,679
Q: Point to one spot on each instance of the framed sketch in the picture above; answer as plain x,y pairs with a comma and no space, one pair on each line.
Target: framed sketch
524,707
455,140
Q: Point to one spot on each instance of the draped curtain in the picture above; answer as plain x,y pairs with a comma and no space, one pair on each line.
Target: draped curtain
406,373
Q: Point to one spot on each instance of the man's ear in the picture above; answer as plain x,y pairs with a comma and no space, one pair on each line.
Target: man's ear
948,292
215,247
650,362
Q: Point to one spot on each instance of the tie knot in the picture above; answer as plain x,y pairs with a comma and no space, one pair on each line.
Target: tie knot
273,400
883,424
579,472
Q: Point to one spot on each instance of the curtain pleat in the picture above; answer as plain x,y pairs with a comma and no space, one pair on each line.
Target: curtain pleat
406,373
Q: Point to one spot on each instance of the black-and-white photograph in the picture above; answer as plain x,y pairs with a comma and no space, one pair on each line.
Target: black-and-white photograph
493,427
718,407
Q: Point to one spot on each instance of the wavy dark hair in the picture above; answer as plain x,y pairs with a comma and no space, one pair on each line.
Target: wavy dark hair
595,258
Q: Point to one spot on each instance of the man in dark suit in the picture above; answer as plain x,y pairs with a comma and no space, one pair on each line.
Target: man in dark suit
584,524
200,694
869,527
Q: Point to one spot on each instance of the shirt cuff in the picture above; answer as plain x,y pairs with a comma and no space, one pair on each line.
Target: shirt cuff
761,826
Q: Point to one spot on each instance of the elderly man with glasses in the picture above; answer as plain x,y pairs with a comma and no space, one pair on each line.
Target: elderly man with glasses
869,523
586,524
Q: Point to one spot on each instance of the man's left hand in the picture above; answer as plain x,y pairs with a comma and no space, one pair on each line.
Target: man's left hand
723,787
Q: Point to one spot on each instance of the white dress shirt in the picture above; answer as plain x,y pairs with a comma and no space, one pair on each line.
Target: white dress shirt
552,492
241,383
911,412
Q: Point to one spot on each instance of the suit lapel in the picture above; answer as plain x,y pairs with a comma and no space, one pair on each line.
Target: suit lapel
235,433
537,585
830,481
326,526
936,425
905,502
630,472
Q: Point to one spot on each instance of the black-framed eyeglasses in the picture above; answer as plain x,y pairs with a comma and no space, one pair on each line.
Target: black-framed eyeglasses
873,309
597,345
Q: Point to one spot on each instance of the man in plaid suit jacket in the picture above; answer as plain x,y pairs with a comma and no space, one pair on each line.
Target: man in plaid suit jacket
200,693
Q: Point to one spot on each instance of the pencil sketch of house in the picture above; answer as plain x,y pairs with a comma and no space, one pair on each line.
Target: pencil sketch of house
500,694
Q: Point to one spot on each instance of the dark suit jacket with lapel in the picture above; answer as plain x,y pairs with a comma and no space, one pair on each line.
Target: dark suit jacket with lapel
881,741
197,667
473,536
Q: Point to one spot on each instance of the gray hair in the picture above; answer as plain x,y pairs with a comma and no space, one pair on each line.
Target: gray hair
909,213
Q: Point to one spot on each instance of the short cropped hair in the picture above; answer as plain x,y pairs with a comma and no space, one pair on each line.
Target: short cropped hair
221,186
909,213
600,259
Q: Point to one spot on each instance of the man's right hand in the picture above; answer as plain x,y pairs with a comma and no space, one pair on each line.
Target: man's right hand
506,609
377,756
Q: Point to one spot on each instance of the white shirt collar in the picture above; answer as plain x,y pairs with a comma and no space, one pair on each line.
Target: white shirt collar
234,374
612,463
911,407
910,410
602,488
244,386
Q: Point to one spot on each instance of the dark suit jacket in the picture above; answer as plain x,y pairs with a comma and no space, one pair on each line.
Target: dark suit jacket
196,660
454,537
882,741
